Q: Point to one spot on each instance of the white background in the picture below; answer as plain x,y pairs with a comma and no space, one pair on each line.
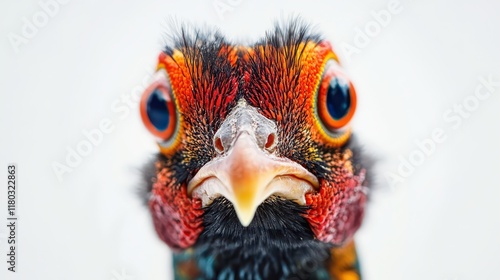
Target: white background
440,223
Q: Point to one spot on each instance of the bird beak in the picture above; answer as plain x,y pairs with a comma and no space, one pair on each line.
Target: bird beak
247,175
248,172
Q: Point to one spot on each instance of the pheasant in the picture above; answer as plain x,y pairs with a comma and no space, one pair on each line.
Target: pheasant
258,174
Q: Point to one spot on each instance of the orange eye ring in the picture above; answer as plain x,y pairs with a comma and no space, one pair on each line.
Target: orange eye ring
336,102
158,110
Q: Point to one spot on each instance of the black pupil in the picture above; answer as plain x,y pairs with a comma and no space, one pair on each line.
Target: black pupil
157,110
338,98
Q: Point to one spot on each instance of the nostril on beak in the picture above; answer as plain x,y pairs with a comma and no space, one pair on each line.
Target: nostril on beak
271,141
218,145
245,119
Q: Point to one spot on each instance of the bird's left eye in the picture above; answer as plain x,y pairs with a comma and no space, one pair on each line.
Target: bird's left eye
336,101
158,110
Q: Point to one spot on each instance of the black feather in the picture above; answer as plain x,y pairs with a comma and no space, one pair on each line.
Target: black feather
278,244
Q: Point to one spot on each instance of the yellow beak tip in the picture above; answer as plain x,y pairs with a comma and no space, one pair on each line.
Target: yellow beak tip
245,216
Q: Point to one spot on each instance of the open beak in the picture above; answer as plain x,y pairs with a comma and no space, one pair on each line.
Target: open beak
247,174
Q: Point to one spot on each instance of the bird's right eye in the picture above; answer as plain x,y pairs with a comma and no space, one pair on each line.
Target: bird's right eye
336,98
158,110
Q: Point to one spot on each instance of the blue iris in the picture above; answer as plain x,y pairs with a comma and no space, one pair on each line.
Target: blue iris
338,99
157,110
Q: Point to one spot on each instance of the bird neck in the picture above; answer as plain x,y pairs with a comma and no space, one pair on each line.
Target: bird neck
278,244
343,264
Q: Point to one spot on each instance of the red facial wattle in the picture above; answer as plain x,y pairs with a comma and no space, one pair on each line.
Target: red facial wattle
336,211
176,216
